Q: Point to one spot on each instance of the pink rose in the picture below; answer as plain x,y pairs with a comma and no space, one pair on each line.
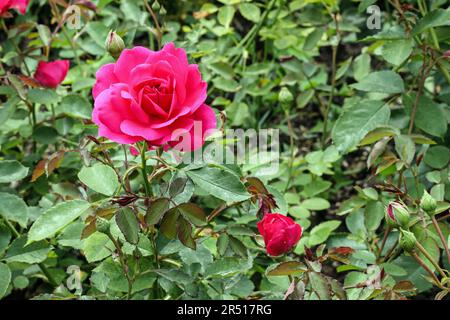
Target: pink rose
156,96
280,233
51,74
20,5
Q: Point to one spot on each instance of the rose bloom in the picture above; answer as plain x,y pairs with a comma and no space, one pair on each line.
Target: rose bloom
153,96
51,74
20,5
280,233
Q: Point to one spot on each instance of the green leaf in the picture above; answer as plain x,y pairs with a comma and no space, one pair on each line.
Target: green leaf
169,224
19,251
127,222
5,279
12,170
220,183
76,106
320,285
405,148
97,247
193,213
225,15
13,208
250,11
381,81
222,243
45,34
289,268
237,246
100,178
43,96
321,232
397,51
430,118
8,108
361,66
312,39
156,210
56,218
315,204
184,231
353,125
45,134
436,157
374,214
414,272
227,85
435,18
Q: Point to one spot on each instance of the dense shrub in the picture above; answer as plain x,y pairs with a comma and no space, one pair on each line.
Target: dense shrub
102,192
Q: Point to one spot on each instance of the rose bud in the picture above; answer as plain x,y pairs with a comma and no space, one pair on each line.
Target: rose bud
156,6
407,240
280,233
19,5
397,215
102,225
428,203
114,44
285,97
446,54
51,74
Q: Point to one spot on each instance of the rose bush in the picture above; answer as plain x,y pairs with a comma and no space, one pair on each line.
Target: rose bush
156,96
352,123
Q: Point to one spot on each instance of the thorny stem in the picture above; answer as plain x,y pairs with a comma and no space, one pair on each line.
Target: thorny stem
441,236
122,263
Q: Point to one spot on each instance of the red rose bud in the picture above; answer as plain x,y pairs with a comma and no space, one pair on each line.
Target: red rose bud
19,5
280,233
397,215
446,54
51,74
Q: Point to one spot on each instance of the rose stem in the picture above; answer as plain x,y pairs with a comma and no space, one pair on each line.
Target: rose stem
423,265
383,243
427,255
144,169
439,231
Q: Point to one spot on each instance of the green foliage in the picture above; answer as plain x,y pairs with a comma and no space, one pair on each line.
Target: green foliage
363,117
